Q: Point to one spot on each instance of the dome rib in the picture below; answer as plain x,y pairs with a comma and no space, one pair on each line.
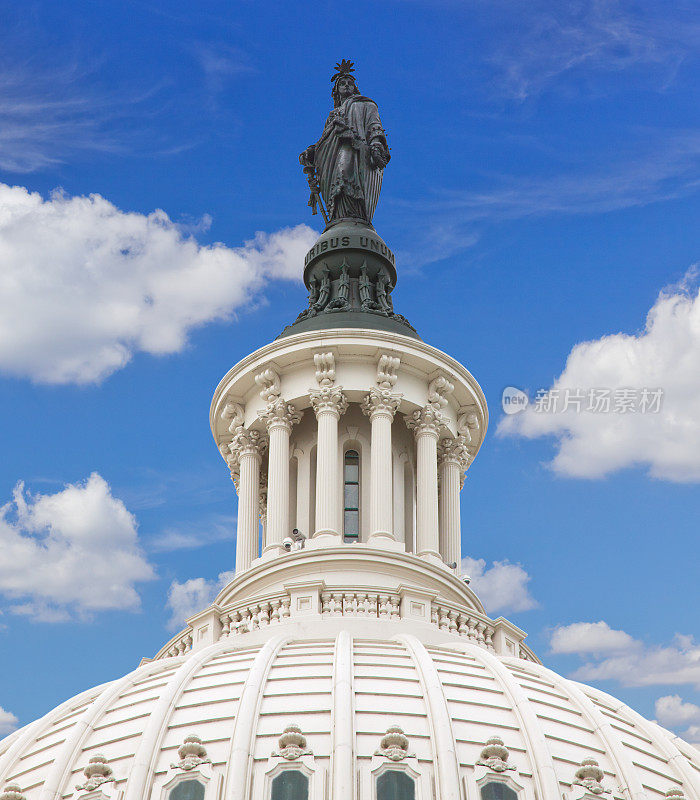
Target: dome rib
149,746
343,716
544,772
626,773
676,759
38,727
245,725
444,745
61,768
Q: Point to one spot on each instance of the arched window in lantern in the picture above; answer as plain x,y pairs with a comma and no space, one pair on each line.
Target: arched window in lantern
394,784
187,790
495,790
290,784
351,496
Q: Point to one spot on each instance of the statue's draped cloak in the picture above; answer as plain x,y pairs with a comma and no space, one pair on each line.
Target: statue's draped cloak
349,182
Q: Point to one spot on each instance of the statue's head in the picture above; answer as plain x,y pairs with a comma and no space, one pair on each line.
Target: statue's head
344,85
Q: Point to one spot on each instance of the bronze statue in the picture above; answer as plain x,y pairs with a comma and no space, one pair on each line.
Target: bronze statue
346,164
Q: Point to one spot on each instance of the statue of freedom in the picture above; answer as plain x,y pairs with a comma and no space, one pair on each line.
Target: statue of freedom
346,164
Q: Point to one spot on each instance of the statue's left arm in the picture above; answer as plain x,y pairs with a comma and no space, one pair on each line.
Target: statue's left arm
376,139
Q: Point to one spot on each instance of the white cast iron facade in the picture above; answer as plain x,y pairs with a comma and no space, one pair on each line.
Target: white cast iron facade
362,654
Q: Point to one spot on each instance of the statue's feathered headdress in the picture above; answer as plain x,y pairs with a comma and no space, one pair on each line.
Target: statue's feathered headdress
343,68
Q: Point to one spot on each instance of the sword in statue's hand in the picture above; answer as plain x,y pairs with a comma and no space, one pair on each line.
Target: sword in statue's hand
315,200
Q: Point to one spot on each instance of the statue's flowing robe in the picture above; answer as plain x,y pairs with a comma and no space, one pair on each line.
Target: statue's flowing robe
349,182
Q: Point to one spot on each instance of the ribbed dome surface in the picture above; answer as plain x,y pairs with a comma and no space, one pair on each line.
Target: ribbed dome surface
448,700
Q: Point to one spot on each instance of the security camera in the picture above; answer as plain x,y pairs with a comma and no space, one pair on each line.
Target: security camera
288,543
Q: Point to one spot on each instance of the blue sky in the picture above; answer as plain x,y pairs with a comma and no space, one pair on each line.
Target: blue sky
543,193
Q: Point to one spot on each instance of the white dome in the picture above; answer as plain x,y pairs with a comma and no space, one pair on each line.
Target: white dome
343,692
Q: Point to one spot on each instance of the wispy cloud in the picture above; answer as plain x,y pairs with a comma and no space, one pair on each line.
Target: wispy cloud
500,587
220,63
191,596
8,722
556,44
194,535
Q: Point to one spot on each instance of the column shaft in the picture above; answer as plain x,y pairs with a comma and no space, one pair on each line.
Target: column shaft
328,403
278,484
381,523
399,500
427,491
327,484
248,509
450,527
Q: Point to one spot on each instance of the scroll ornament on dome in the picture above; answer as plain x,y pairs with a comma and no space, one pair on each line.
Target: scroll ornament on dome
393,745
495,755
292,744
589,775
97,772
192,754
12,792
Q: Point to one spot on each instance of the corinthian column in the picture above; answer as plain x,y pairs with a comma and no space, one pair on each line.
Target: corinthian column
328,403
380,405
247,448
279,417
425,424
453,460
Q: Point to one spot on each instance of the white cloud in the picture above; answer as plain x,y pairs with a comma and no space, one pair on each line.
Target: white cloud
84,285
589,637
70,554
8,722
191,596
671,711
665,355
500,587
617,656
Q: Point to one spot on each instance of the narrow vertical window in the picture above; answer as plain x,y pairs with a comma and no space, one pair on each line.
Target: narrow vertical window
497,791
395,785
187,790
351,496
290,785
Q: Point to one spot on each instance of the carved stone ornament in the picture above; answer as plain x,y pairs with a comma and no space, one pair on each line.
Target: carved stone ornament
292,744
425,420
677,793
279,412
248,442
380,401
192,754
394,744
386,371
269,382
589,775
495,755
325,368
329,398
455,451
438,389
234,414
467,422
97,772
12,792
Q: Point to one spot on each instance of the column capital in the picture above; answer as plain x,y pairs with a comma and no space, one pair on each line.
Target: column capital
380,401
329,399
454,451
280,414
426,420
247,443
